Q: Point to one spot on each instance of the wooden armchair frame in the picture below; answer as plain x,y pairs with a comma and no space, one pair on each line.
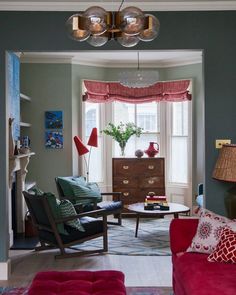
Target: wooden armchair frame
50,225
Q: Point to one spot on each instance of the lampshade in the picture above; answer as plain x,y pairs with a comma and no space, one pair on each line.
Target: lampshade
93,139
81,148
225,167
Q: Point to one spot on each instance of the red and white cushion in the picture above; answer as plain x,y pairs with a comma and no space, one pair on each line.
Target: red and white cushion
209,231
226,248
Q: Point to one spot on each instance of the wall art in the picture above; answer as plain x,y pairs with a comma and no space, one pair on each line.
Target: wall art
53,120
53,139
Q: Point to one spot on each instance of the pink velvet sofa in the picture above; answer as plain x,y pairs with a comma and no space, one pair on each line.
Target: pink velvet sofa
192,273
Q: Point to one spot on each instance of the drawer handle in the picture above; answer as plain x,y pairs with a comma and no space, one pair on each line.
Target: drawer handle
126,194
125,181
150,167
125,167
150,181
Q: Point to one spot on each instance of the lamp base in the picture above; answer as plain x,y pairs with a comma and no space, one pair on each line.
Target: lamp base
230,203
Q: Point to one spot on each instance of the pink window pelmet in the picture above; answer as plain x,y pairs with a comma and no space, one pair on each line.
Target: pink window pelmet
99,92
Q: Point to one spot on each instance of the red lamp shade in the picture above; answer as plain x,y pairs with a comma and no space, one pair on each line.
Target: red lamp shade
81,148
93,139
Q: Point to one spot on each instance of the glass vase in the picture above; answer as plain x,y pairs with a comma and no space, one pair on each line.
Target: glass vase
122,148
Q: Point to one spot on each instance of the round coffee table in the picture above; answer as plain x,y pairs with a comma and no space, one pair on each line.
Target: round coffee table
138,208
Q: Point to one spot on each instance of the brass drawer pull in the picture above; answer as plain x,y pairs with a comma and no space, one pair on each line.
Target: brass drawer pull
125,181
126,194
150,181
125,167
150,167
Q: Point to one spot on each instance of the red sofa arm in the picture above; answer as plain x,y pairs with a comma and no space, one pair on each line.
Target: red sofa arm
182,232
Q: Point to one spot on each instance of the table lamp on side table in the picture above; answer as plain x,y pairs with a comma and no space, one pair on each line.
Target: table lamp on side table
225,169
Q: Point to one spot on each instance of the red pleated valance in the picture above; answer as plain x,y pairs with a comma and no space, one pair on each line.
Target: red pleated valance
99,92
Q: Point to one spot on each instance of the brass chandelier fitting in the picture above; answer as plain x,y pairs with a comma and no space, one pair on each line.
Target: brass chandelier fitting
127,26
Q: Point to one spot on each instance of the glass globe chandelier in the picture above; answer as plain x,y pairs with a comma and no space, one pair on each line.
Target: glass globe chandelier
127,26
138,78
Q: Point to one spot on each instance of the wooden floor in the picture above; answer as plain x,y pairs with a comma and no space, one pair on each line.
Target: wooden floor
138,270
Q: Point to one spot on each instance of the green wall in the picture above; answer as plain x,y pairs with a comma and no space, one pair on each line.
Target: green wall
211,31
53,87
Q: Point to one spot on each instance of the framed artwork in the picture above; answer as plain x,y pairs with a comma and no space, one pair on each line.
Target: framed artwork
53,139
53,120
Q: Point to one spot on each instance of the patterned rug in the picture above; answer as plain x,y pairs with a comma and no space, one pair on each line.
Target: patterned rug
130,291
152,240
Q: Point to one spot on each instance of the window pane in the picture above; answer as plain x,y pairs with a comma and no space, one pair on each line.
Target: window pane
95,165
148,117
123,112
179,160
91,117
180,118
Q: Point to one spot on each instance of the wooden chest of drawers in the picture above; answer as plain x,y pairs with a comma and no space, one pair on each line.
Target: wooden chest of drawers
136,177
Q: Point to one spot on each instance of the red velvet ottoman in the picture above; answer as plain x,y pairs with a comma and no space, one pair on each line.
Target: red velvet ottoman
105,282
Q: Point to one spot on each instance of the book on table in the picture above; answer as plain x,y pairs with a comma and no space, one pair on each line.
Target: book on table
156,203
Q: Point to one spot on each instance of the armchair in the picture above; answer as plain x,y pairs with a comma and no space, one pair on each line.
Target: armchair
93,202
50,235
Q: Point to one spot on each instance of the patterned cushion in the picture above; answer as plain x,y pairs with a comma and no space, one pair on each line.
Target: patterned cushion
67,182
226,248
54,205
208,232
87,190
67,209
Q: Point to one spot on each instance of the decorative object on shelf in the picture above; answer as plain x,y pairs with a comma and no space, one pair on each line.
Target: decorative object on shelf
139,153
225,170
127,26
122,133
152,151
25,141
53,120
53,139
82,149
138,78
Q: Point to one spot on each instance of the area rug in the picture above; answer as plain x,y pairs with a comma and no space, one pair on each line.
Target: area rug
130,291
152,240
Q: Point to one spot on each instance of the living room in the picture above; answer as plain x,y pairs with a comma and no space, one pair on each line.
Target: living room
197,27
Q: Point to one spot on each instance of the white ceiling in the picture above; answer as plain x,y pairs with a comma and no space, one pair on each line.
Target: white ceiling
148,58
151,5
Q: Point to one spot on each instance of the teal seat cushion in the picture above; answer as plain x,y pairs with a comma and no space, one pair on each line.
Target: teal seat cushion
67,209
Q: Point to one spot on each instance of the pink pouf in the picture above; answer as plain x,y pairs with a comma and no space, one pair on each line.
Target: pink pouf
106,282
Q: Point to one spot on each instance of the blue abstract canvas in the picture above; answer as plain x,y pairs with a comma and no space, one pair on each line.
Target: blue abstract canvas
54,139
53,120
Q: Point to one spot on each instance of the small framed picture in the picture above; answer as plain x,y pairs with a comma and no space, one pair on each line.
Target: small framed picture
54,139
53,120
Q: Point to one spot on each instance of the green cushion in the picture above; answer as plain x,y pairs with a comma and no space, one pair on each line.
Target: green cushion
36,191
54,205
67,182
67,209
87,190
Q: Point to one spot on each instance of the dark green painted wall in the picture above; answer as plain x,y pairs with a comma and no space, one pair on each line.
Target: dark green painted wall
214,32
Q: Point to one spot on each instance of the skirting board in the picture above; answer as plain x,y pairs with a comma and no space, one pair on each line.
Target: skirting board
5,270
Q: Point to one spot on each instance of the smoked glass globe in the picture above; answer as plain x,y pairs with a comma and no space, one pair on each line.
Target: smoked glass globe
73,29
152,30
128,41
95,20
131,20
97,41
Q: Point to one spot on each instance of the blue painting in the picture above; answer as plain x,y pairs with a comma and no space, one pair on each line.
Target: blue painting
54,139
53,120
13,92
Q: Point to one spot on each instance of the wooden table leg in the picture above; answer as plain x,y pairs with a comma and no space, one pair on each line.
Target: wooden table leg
137,224
176,215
